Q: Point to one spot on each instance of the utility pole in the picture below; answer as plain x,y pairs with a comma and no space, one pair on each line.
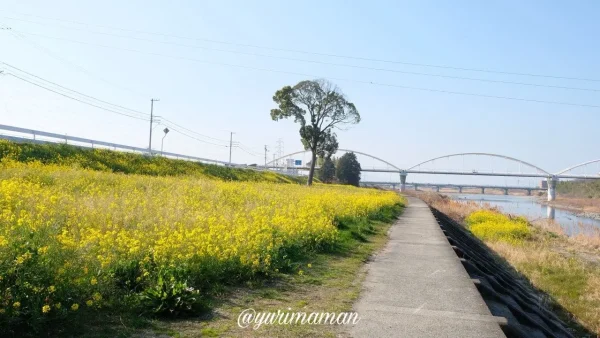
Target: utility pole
230,146
279,150
266,156
151,121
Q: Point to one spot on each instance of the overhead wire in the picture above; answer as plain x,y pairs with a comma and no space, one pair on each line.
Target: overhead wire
74,91
472,69
327,63
249,151
329,77
76,99
194,132
19,36
296,73
174,126
193,137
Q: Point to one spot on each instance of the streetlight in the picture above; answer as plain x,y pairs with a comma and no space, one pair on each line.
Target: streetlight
166,130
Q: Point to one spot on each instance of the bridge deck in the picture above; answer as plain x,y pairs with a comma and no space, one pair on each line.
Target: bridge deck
456,186
417,287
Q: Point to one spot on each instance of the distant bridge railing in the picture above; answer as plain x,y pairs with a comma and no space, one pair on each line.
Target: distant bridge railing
450,185
33,136
537,173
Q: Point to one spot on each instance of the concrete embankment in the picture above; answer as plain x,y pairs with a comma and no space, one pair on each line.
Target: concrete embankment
505,295
433,279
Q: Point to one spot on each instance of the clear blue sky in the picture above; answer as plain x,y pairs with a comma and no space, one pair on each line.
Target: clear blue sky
403,126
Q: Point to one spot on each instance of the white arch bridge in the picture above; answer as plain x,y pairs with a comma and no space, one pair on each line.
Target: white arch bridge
526,169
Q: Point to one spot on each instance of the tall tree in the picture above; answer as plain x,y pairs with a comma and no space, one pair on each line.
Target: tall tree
327,170
348,169
319,106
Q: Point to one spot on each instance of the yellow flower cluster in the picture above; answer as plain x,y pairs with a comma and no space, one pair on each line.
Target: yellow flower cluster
494,226
85,222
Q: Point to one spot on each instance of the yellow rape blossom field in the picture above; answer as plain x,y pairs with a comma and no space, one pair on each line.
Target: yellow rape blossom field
490,225
74,240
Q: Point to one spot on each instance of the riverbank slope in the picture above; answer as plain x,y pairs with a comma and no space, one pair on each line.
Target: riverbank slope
565,272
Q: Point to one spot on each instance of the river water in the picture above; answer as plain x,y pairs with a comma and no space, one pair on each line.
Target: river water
529,207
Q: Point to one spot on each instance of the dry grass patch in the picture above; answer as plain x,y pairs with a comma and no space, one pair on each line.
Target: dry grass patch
571,282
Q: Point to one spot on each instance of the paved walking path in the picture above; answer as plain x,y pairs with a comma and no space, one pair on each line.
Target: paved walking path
417,286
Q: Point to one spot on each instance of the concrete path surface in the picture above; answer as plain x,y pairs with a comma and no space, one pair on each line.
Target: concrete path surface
417,286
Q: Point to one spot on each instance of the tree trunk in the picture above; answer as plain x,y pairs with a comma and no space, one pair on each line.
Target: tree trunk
311,172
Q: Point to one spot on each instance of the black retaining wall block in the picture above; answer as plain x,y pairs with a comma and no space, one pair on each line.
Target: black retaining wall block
505,295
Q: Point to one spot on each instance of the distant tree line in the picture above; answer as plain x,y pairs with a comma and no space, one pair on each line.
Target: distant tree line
343,170
579,189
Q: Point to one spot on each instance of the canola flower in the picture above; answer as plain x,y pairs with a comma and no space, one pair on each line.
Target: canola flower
66,233
494,226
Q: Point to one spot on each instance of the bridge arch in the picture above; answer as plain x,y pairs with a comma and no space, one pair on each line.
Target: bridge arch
484,154
577,166
346,150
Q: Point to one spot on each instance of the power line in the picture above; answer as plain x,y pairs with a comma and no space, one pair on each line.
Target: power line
171,125
247,152
253,153
37,46
171,122
235,144
192,137
250,148
70,97
331,78
194,132
74,91
329,63
312,53
174,126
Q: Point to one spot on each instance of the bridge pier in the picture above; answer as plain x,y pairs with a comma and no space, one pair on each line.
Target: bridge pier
437,188
551,188
460,189
505,191
403,181
550,212
416,187
482,191
528,192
